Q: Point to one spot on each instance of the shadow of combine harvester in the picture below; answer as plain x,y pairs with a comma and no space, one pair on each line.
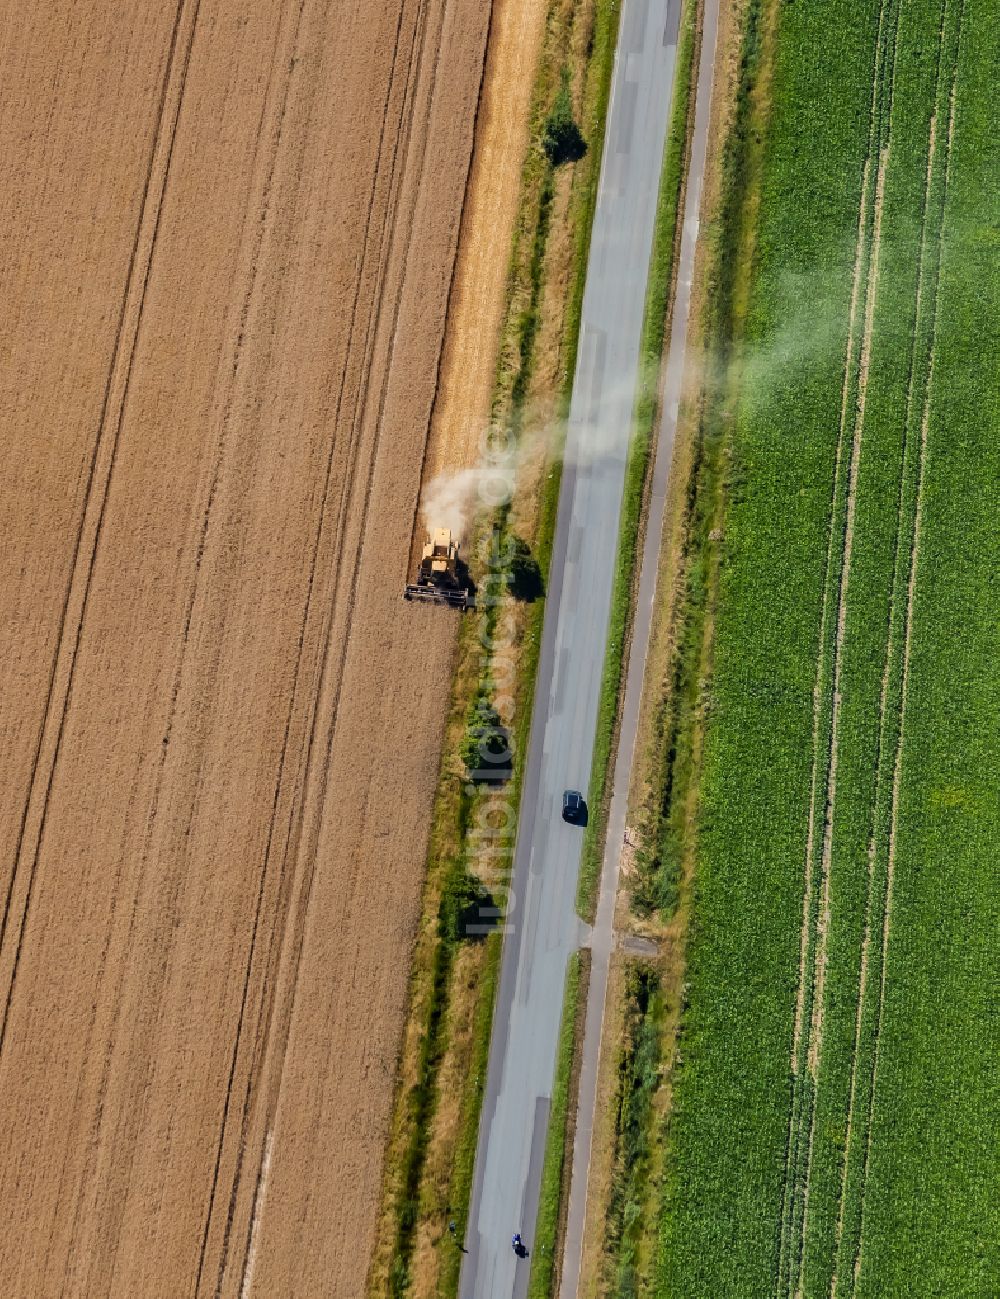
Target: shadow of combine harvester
442,578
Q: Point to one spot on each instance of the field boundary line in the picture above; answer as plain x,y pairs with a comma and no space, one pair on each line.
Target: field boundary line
466,190
98,484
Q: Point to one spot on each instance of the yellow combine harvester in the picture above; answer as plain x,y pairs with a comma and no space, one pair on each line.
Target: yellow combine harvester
440,575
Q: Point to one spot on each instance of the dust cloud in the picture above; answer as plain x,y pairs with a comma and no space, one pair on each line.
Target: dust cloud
455,498
814,309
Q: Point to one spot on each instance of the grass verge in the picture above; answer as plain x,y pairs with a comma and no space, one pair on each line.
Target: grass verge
471,1103
672,754
442,1072
638,1069
655,317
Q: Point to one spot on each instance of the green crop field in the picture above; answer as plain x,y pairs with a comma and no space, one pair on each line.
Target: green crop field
836,1120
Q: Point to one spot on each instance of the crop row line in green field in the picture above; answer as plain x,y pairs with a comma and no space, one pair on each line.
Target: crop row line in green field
884,524
827,691
893,703
832,701
932,1205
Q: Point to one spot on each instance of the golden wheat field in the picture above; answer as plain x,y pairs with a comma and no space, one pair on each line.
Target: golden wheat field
230,233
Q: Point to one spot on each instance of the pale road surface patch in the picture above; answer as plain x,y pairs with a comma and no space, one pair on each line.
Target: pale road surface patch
602,938
543,926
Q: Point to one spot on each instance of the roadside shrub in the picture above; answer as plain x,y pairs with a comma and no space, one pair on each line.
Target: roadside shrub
485,747
525,575
562,139
467,910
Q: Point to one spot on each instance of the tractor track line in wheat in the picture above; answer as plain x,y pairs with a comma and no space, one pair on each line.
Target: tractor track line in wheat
98,485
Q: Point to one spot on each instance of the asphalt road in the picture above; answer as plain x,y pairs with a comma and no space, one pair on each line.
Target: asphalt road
603,937
542,925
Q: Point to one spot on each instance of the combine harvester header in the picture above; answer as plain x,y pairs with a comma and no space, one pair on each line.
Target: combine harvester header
440,574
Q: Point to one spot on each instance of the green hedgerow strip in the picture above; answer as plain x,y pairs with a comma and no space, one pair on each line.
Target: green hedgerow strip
638,1072
450,885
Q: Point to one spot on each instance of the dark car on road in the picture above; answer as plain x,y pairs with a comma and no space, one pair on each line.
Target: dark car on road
574,808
